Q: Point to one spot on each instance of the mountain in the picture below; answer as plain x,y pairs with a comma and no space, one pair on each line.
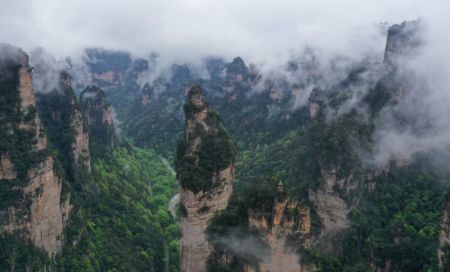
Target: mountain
66,126
73,198
205,169
300,169
309,198
35,208
99,118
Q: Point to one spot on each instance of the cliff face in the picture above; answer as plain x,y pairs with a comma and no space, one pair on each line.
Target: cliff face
286,227
32,205
28,105
330,207
444,237
403,41
80,145
403,44
65,123
205,190
113,68
99,117
7,170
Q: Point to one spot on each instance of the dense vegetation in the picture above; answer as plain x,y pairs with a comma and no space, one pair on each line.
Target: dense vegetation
395,224
124,223
121,221
17,144
20,255
96,107
196,168
229,229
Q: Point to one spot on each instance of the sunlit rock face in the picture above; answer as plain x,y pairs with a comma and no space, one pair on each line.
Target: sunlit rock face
285,229
200,203
34,207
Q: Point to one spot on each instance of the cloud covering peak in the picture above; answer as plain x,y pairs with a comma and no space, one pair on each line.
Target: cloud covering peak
259,31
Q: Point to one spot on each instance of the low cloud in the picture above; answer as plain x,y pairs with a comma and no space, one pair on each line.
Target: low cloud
268,34
185,31
418,122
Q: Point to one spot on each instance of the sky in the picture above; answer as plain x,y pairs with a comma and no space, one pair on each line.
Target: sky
266,33
184,30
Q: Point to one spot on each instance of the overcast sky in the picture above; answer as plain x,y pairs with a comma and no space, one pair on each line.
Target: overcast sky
261,31
188,29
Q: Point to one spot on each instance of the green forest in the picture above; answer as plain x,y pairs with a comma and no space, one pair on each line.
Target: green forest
126,225
341,171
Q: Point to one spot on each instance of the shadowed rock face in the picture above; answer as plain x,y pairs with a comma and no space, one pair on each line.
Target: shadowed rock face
403,41
98,110
200,206
99,116
80,146
7,170
65,123
37,212
288,225
444,236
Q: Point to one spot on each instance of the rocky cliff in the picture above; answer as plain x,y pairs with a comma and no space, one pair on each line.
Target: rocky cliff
113,69
65,123
403,41
99,117
284,230
205,171
444,238
32,204
331,208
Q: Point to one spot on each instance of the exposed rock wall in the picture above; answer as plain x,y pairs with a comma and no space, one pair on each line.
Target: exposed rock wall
38,212
314,109
7,167
330,207
285,230
99,116
44,220
80,146
65,123
28,103
444,235
403,41
48,213
199,207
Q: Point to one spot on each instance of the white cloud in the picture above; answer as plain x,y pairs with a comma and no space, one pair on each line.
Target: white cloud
256,30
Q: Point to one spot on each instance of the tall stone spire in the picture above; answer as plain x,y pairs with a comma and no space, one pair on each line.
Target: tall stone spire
205,167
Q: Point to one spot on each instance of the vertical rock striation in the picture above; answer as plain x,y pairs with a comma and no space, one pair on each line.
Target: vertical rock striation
403,41
205,168
32,204
99,117
283,230
444,237
80,146
65,123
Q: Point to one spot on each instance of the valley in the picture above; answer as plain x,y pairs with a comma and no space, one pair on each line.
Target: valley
120,163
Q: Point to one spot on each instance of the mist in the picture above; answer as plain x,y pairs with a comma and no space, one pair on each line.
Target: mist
418,123
185,31
267,34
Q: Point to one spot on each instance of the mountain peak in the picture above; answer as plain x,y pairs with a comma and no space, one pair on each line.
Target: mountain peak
237,66
403,40
195,97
